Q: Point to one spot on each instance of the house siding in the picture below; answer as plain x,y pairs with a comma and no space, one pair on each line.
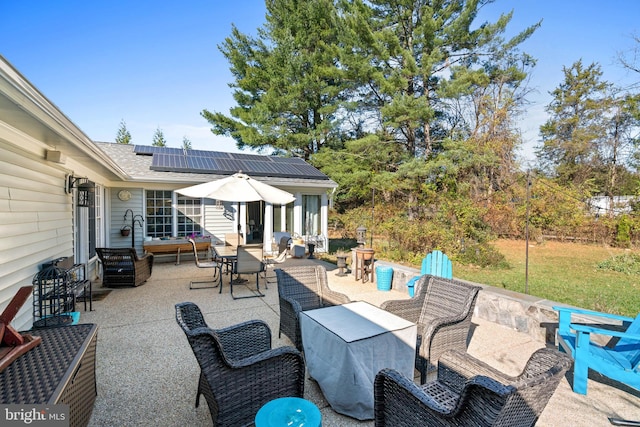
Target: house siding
36,223
118,210
218,220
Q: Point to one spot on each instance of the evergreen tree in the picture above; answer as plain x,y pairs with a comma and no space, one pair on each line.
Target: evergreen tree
577,125
404,53
591,139
158,139
287,86
123,136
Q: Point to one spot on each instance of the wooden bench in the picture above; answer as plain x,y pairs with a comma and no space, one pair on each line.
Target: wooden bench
619,362
175,246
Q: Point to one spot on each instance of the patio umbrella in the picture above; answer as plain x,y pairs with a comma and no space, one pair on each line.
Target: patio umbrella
238,187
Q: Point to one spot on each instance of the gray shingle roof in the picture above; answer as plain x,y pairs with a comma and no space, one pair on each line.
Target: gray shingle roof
139,168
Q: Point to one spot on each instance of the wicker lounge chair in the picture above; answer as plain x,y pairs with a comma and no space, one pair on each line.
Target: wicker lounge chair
240,372
442,309
303,288
469,392
123,267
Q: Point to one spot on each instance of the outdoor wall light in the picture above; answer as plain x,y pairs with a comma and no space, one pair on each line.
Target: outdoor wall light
85,190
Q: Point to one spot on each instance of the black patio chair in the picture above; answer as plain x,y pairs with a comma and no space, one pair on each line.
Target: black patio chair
303,288
240,372
442,309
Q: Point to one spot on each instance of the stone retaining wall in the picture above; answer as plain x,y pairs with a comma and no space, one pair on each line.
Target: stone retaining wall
524,313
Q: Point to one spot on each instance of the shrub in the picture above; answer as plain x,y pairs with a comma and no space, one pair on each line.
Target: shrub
625,263
482,255
623,232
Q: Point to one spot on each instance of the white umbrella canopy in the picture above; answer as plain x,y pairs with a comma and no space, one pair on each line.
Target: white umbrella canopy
238,187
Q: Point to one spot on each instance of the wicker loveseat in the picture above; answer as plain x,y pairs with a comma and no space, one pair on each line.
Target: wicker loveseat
123,267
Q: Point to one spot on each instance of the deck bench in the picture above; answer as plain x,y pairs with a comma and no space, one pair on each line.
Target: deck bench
175,246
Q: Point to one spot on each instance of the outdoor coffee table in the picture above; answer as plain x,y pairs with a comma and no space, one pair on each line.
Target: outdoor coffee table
346,346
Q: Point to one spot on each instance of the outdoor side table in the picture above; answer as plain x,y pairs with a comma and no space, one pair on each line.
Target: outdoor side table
61,370
289,411
346,346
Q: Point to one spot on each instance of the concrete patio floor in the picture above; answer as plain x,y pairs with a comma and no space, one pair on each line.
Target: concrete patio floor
147,374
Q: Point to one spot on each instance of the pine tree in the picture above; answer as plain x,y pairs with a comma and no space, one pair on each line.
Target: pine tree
158,139
288,87
123,136
576,125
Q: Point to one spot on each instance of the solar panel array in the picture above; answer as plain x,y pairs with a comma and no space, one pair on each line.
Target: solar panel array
166,159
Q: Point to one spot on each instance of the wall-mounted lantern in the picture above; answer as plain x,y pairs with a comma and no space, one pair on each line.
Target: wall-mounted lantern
85,190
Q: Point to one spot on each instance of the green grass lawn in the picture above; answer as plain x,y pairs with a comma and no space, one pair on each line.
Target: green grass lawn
562,272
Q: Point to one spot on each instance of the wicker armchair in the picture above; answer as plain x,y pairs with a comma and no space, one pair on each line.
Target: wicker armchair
469,392
303,288
442,309
240,372
123,267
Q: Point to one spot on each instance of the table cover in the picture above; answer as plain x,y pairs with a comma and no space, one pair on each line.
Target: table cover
346,346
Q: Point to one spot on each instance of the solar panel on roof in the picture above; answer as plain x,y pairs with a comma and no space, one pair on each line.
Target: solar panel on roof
307,170
204,153
150,149
168,162
283,169
202,164
142,149
169,159
229,165
259,167
287,159
242,156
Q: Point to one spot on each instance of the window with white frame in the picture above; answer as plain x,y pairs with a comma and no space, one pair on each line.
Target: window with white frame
162,220
189,216
159,218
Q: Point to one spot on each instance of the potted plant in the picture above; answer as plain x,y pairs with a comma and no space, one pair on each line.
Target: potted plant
125,230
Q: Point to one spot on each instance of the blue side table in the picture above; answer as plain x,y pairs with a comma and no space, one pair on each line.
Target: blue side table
289,412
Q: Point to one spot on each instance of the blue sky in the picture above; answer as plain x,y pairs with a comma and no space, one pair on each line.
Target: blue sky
156,63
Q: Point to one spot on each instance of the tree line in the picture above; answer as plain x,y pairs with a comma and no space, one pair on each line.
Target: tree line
124,137
412,108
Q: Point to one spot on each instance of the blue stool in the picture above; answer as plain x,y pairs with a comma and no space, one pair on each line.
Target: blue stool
289,412
384,277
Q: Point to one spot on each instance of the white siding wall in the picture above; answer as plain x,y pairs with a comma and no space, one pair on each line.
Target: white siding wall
218,220
36,223
118,209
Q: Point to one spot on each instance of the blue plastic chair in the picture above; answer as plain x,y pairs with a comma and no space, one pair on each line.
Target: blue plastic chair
620,362
436,264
